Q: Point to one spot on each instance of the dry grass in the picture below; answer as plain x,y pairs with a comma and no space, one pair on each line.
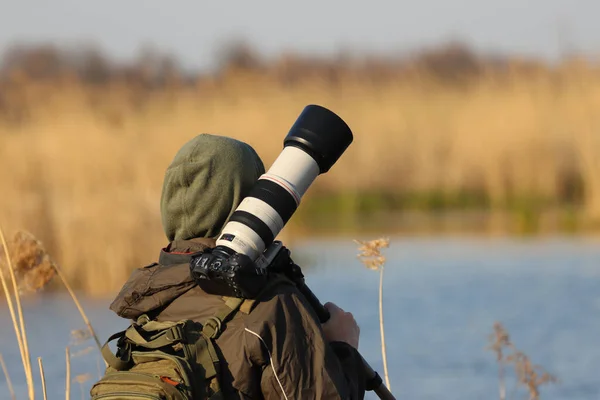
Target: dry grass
18,323
31,269
82,163
67,374
9,385
527,374
34,269
370,255
82,379
42,378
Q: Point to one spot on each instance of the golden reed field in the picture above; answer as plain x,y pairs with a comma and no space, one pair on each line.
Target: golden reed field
84,142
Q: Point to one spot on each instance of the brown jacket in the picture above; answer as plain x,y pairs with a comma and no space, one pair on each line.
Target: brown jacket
277,351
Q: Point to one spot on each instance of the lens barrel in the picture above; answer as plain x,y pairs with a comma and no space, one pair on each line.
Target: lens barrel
322,134
314,143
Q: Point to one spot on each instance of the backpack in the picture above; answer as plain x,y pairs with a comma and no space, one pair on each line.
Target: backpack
166,360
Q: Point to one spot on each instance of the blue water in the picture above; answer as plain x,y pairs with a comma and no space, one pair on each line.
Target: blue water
441,299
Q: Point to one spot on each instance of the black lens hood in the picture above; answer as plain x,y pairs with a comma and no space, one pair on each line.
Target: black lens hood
322,134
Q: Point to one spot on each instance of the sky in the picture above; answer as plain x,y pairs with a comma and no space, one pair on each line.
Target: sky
193,31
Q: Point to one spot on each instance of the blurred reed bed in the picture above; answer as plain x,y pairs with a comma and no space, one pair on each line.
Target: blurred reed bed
84,142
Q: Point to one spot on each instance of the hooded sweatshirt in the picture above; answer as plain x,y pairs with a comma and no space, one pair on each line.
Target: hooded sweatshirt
275,351
206,181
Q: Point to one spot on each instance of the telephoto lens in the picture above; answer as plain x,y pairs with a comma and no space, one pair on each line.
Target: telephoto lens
314,143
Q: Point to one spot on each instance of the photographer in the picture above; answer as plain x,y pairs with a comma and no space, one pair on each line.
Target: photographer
277,349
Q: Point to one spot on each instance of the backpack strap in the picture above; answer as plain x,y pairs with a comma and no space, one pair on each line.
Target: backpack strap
169,333
122,360
212,326
206,354
164,338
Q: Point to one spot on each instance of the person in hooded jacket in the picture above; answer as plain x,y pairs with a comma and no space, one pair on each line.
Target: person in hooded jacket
279,350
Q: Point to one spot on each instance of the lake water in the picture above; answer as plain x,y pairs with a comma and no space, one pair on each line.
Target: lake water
441,299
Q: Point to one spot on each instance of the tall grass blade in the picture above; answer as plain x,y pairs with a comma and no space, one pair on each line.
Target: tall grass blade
78,305
19,326
382,330
68,374
13,316
370,255
43,377
11,390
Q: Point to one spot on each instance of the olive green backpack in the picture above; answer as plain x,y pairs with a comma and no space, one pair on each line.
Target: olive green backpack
166,360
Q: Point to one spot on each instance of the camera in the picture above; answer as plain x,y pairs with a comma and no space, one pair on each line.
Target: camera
239,264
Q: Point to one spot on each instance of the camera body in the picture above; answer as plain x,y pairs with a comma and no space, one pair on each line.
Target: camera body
233,275
226,273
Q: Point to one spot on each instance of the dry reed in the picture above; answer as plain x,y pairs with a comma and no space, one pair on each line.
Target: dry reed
11,309
35,269
11,390
527,374
81,379
19,326
68,374
370,255
499,340
23,329
43,378
84,316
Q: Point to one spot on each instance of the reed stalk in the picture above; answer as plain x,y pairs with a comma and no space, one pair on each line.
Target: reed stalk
382,330
11,309
527,374
78,305
43,378
11,390
370,255
19,325
68,374
81,379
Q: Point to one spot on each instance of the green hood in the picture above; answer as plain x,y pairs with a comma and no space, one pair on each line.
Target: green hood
206,181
